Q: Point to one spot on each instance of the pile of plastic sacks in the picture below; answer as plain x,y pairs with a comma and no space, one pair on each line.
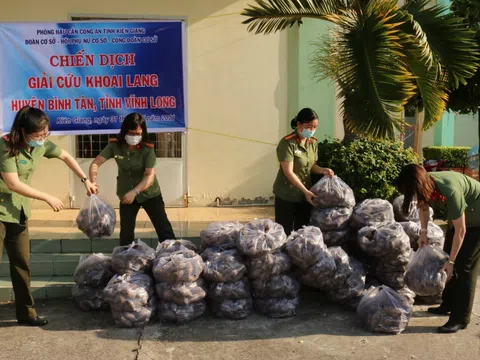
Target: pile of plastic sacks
226,271
275,289
363,256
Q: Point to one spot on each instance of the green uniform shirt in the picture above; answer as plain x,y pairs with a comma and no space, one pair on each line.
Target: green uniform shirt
462,195
24,164
303,158
131,168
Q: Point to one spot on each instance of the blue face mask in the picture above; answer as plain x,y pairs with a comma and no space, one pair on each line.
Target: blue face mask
307,133
35,143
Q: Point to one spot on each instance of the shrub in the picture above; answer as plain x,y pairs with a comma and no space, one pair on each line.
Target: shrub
454,156
370,167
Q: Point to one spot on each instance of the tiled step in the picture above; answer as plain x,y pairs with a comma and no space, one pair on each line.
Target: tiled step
48,287
85,246
60,258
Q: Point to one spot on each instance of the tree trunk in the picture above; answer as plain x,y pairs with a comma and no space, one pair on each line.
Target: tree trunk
348,135
417,140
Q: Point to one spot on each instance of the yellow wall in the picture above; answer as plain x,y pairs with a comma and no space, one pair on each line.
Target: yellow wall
236,86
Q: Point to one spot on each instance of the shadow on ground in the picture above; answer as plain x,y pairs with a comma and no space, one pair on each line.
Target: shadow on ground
315,317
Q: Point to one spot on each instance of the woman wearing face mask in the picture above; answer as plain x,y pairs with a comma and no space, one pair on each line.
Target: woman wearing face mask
20,153
297,154
137,185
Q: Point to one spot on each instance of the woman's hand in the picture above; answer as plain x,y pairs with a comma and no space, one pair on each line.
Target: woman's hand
448,268
328,172
55,203
422,240
129,197
309,196
92,188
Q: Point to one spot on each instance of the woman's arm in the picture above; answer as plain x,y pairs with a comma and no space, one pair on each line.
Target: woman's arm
321,171
458,236
287,167
141,186
75,167
14,184
424,217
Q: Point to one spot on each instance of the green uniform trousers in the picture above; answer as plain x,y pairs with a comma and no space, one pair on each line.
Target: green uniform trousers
460,290
155,209
16,240
292,216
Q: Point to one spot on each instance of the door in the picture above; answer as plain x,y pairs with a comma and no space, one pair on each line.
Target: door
170,168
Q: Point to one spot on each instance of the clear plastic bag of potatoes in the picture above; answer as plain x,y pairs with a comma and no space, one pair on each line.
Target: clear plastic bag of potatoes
97,218
224,234
282,286
129,292
170,246
181,266
181,293
384,310
89,298
413,213
424,275
277,307
233,309
180,314
268,265
261,236
333,192
331,219
383,239
435,234
224,267
93,270
233,291
305,246
371,212
132,258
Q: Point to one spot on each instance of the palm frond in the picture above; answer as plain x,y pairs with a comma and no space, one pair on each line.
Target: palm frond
431,85
372,72
268,16
451,42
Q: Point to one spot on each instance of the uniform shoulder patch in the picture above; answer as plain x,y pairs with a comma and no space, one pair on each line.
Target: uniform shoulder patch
290,137
113,140
148,144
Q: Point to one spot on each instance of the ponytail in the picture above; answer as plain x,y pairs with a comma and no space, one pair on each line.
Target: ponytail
293,123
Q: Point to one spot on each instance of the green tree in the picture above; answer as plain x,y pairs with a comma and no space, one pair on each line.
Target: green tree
380,55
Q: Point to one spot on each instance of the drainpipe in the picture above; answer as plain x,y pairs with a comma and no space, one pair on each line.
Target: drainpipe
217,201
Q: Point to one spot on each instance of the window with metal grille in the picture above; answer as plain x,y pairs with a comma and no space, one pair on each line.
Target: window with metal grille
167,145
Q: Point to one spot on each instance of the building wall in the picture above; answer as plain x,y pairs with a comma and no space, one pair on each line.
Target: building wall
237,93
466,130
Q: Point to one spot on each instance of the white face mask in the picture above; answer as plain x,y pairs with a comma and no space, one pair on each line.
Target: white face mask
133,139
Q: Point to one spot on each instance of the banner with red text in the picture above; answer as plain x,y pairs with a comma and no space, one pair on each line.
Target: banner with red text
87,76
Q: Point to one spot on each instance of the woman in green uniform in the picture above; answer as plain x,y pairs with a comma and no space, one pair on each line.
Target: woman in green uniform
297,154
137,185
457,198
20,153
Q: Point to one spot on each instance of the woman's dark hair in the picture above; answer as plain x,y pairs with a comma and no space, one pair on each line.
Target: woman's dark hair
132,122
304,116
30,120
414,183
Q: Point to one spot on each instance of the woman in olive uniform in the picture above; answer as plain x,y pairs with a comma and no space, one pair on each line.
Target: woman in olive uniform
457,198
297,154
20,154
137,185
